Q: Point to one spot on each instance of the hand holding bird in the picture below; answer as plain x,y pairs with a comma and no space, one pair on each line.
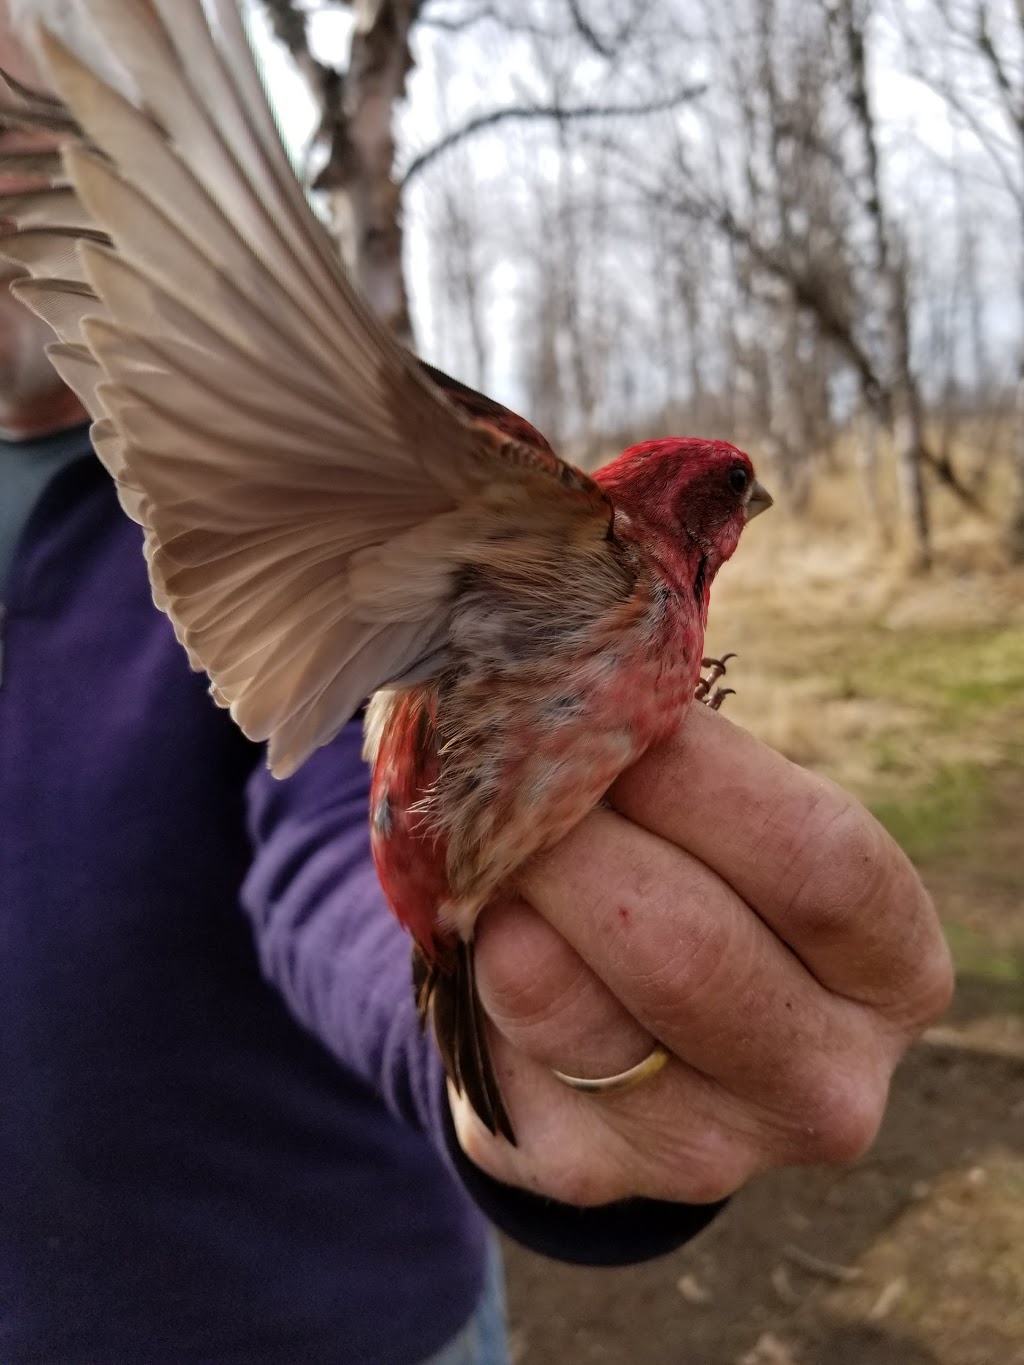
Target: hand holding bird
326,519
751,916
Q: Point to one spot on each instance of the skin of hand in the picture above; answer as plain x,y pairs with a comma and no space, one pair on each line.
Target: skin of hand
753,918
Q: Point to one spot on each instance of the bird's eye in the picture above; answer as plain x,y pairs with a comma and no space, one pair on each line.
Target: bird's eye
738,479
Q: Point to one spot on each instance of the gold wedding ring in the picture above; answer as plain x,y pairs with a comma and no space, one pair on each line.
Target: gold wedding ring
625,1080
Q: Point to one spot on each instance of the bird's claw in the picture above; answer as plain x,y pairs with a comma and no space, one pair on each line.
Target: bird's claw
716,669
718,696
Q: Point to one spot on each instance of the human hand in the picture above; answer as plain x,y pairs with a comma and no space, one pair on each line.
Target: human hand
750,916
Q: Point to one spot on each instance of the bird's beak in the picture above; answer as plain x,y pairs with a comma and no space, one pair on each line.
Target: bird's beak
759,500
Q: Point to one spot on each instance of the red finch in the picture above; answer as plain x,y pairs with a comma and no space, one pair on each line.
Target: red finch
325,519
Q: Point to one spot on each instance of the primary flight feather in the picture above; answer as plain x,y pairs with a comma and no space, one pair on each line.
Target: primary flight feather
327,519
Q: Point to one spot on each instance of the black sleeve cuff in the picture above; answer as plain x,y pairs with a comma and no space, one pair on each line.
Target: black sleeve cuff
623,1233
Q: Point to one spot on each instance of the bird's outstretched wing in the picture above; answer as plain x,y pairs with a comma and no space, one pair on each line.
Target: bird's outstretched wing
307,490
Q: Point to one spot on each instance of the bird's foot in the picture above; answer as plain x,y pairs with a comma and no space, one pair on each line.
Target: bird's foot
715,670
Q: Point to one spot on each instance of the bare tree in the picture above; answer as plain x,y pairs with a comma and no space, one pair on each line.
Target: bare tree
357,105
357,100
803,201
977,66
849,20
719,242
784,200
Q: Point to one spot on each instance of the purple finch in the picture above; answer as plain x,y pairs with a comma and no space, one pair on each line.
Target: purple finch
325,519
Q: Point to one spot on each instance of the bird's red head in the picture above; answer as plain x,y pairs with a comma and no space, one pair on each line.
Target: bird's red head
697,494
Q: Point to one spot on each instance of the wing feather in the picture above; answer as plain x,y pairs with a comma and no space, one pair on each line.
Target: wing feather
77,366
50,252
57,207
22,164
136,299
308,492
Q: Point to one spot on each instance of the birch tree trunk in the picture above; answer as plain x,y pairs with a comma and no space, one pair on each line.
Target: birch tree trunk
356,111
379,64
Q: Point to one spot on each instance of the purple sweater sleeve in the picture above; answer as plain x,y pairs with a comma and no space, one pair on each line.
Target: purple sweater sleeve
330,944
325,935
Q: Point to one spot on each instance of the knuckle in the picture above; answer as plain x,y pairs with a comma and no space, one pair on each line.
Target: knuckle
845,866
661,986
931,989
522,975
841,1119
694,965
511,988
938,984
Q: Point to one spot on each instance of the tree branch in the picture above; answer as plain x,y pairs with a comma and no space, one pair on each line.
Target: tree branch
984,135
947,476
1014,109
460,23
544,113
997,149
605,47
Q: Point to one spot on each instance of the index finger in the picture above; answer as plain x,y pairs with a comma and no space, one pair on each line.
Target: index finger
802,853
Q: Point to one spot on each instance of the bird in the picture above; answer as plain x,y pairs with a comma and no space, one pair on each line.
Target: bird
326,518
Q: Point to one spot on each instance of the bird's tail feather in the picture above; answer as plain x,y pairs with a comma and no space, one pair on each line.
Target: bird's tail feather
446,993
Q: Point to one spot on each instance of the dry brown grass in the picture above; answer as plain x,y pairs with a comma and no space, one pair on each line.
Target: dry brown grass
852,664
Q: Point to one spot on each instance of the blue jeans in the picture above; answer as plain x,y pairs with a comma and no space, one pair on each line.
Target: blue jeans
483,1339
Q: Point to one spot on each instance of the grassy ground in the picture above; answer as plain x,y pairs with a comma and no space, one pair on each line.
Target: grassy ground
909,691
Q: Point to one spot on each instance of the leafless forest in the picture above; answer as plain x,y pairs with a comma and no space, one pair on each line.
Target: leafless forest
798,224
